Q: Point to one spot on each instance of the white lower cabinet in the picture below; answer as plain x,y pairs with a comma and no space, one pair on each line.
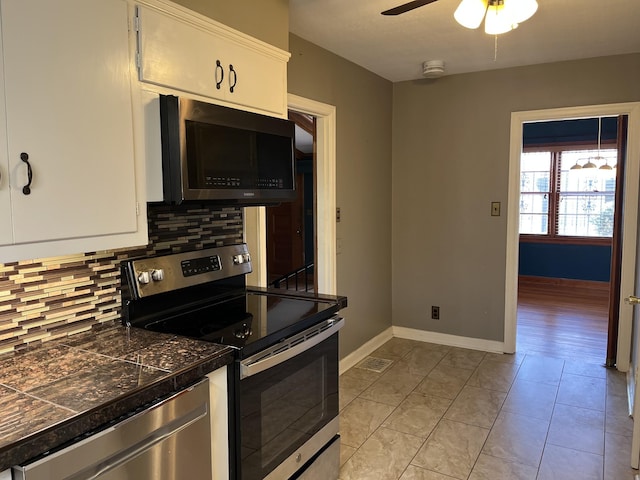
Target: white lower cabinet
219,414
68,107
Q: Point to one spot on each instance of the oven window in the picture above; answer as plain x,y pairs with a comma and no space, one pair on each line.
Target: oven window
284,406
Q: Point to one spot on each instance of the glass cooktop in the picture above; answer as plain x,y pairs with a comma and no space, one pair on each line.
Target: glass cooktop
247,320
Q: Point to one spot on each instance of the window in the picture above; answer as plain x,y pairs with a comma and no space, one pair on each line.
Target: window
557,200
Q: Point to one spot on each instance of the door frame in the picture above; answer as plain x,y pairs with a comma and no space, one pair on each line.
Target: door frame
325,214
630,214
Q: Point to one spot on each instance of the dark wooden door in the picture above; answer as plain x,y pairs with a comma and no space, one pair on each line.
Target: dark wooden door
616,247
285,235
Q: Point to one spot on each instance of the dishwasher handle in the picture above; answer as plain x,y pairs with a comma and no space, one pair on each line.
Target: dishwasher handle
95,471
290,347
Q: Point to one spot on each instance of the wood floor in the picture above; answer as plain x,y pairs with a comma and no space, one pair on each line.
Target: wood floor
562,322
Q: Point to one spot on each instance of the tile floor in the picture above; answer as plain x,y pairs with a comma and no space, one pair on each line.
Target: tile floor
442,413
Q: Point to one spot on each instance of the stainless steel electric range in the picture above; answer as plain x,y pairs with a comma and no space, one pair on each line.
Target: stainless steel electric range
283,386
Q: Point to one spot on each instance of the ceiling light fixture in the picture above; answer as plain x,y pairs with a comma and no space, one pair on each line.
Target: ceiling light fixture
577,166
500,16
599,158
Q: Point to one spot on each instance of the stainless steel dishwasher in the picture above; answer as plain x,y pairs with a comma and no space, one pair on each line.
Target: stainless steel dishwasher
168,441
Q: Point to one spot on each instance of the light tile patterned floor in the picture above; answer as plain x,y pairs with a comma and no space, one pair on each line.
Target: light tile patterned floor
443,413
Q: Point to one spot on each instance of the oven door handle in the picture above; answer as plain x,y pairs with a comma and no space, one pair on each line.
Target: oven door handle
292,347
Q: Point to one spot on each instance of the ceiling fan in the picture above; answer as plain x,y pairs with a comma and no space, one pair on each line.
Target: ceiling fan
407,7
500,15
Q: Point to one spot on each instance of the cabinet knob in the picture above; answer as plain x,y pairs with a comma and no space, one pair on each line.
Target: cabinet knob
27,188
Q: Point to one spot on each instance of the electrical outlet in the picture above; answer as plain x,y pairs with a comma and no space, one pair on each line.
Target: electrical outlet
435,313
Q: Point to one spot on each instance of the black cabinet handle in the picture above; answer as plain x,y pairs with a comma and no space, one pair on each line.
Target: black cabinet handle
27,188
235,78
219,82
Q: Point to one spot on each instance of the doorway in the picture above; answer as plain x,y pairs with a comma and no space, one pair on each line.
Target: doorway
571,188
325,214
291,225
629,220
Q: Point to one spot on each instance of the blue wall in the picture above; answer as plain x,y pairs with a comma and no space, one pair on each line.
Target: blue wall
581,130
306,168
580,262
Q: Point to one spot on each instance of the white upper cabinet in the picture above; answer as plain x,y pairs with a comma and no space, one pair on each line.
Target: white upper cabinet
186,52
6,226
68,92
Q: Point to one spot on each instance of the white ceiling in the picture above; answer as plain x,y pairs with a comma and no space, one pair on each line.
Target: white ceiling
396,47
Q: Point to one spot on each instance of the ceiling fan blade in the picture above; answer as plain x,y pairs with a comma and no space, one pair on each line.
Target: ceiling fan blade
407,7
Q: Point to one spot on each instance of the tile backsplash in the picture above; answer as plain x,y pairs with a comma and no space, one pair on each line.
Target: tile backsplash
49,298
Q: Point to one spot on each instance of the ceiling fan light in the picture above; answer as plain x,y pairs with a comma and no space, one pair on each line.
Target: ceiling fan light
497,20
521,10
470,13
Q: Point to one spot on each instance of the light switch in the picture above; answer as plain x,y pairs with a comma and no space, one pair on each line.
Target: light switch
495,209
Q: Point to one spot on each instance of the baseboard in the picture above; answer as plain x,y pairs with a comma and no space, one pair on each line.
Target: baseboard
365,350
449,340
421,336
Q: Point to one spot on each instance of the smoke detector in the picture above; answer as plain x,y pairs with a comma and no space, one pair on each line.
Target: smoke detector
433,69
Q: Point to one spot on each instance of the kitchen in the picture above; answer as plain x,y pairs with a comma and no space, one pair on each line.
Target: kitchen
201,250
372,223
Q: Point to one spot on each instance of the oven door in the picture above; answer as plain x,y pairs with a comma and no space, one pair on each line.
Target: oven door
289,403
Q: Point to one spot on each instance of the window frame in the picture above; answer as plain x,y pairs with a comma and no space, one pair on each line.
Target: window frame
554,191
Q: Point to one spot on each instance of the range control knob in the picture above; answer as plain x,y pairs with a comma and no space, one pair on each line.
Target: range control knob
241,258
157,275
242,332
144,277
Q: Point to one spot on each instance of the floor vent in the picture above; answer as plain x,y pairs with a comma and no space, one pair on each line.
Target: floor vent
374,364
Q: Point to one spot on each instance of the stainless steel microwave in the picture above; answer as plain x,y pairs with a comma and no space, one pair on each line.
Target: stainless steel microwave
219,154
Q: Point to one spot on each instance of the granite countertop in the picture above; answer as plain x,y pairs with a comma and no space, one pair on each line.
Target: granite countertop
65,388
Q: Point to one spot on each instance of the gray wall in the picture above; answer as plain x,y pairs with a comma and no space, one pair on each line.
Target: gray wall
450,161
363,122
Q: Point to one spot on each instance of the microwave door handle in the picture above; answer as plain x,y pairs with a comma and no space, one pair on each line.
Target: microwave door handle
249,367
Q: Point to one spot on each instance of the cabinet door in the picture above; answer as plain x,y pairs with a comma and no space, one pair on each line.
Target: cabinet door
192,58
178,55
257,79
68,105
6,226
